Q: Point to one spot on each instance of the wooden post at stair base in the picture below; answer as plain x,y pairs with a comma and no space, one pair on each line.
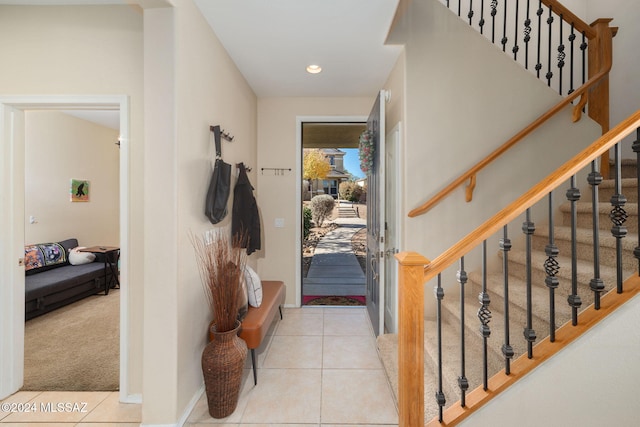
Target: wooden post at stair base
600,55
411,338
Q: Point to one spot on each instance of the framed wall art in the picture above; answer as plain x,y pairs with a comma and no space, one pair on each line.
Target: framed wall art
79,190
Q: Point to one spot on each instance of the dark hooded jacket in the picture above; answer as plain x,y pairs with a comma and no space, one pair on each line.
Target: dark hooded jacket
245,217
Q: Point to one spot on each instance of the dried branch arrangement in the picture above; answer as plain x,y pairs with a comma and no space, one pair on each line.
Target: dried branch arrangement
221,263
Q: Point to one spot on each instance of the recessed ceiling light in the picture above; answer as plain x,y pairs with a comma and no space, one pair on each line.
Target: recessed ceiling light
314,69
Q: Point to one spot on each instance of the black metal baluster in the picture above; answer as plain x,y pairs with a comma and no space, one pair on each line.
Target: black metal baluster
494,11
463,382
507,350
440,399
503,41
539,13
574,300
470,14
618,216
481,23
551,268
528,228
516,48
596,284
484,314
583,48
527,37
636,149
549,74
561,56
572,39
459,6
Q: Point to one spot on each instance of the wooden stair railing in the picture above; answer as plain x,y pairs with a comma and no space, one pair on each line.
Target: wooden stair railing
595,92
415,271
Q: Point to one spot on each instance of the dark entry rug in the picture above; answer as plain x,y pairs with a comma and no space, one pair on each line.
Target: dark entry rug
334,300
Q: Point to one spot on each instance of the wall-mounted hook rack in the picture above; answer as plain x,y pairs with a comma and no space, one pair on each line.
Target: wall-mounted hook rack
276,171
247,168
223,133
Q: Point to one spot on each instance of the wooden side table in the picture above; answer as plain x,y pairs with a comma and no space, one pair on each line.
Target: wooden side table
111,254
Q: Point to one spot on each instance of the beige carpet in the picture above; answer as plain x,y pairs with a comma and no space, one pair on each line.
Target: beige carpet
76,347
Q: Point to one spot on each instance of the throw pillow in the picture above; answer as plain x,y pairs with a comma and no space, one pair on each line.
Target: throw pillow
53,253
254,286
78,258
243,299
33,257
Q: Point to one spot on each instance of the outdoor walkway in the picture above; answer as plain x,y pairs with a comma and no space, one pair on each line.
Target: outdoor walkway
334,268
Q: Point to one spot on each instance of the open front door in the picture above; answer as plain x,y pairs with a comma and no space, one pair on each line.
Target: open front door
375,217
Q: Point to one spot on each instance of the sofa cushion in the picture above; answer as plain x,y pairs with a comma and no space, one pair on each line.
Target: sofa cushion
59,279
76,257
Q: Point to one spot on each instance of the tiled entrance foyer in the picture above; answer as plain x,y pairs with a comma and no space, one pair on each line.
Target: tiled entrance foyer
320,368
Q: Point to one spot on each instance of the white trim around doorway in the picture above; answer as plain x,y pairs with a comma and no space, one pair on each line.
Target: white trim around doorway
299,121
12,357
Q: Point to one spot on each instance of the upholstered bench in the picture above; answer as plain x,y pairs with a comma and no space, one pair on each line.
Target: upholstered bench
258,319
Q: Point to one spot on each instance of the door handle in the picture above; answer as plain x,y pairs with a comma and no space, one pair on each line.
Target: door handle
373,270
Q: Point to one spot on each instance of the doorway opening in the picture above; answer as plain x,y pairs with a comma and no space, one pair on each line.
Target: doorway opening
334,216
12,225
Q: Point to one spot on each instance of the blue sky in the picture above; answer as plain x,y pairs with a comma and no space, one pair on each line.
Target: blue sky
352,162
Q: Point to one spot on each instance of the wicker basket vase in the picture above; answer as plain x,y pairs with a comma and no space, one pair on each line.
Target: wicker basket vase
222,366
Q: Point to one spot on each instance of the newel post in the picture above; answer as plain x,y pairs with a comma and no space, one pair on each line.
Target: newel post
600,57
411,338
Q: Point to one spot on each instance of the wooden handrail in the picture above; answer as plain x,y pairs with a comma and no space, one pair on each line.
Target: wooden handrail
542,189
470,175
568,16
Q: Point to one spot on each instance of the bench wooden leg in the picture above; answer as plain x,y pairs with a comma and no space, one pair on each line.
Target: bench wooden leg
280,308
253,362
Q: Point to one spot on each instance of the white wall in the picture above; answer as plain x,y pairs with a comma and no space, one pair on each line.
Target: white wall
53,52
591,383
277,194
59,147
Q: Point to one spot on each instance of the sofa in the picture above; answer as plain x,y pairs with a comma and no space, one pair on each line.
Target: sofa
52,281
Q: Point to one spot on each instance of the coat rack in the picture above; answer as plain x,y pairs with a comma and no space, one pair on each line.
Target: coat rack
247,168
276,171
226,135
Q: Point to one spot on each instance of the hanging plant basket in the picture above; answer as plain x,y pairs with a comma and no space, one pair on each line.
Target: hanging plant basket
365,151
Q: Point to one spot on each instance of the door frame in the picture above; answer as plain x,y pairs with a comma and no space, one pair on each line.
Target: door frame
12,341
298,251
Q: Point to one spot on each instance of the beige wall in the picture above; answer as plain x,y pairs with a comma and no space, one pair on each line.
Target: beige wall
59,147
278,195
464,98
190,84
53,51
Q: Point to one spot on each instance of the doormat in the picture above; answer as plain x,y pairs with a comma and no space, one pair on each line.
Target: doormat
334,300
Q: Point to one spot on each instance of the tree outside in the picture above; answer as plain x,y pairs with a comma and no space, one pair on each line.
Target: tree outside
315,166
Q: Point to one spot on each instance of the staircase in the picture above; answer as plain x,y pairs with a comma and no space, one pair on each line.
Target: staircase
387,344
346,210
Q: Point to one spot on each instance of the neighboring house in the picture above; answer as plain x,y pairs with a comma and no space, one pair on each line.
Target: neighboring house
452,108
337,174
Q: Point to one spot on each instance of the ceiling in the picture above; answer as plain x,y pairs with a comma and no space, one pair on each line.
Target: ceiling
272,42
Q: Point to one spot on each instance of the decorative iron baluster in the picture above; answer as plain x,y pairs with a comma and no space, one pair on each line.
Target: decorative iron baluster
503,41
572,39
507,350
574,300
516,48
494,11
596,284
440,399
484,314
470,14
551,268
618,216
583,48
481,23
549,74
636,149
527,37
463,382
539,13
561,57
528,228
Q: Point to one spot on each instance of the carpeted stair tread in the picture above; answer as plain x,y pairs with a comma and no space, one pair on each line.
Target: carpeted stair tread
583,210
629,189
